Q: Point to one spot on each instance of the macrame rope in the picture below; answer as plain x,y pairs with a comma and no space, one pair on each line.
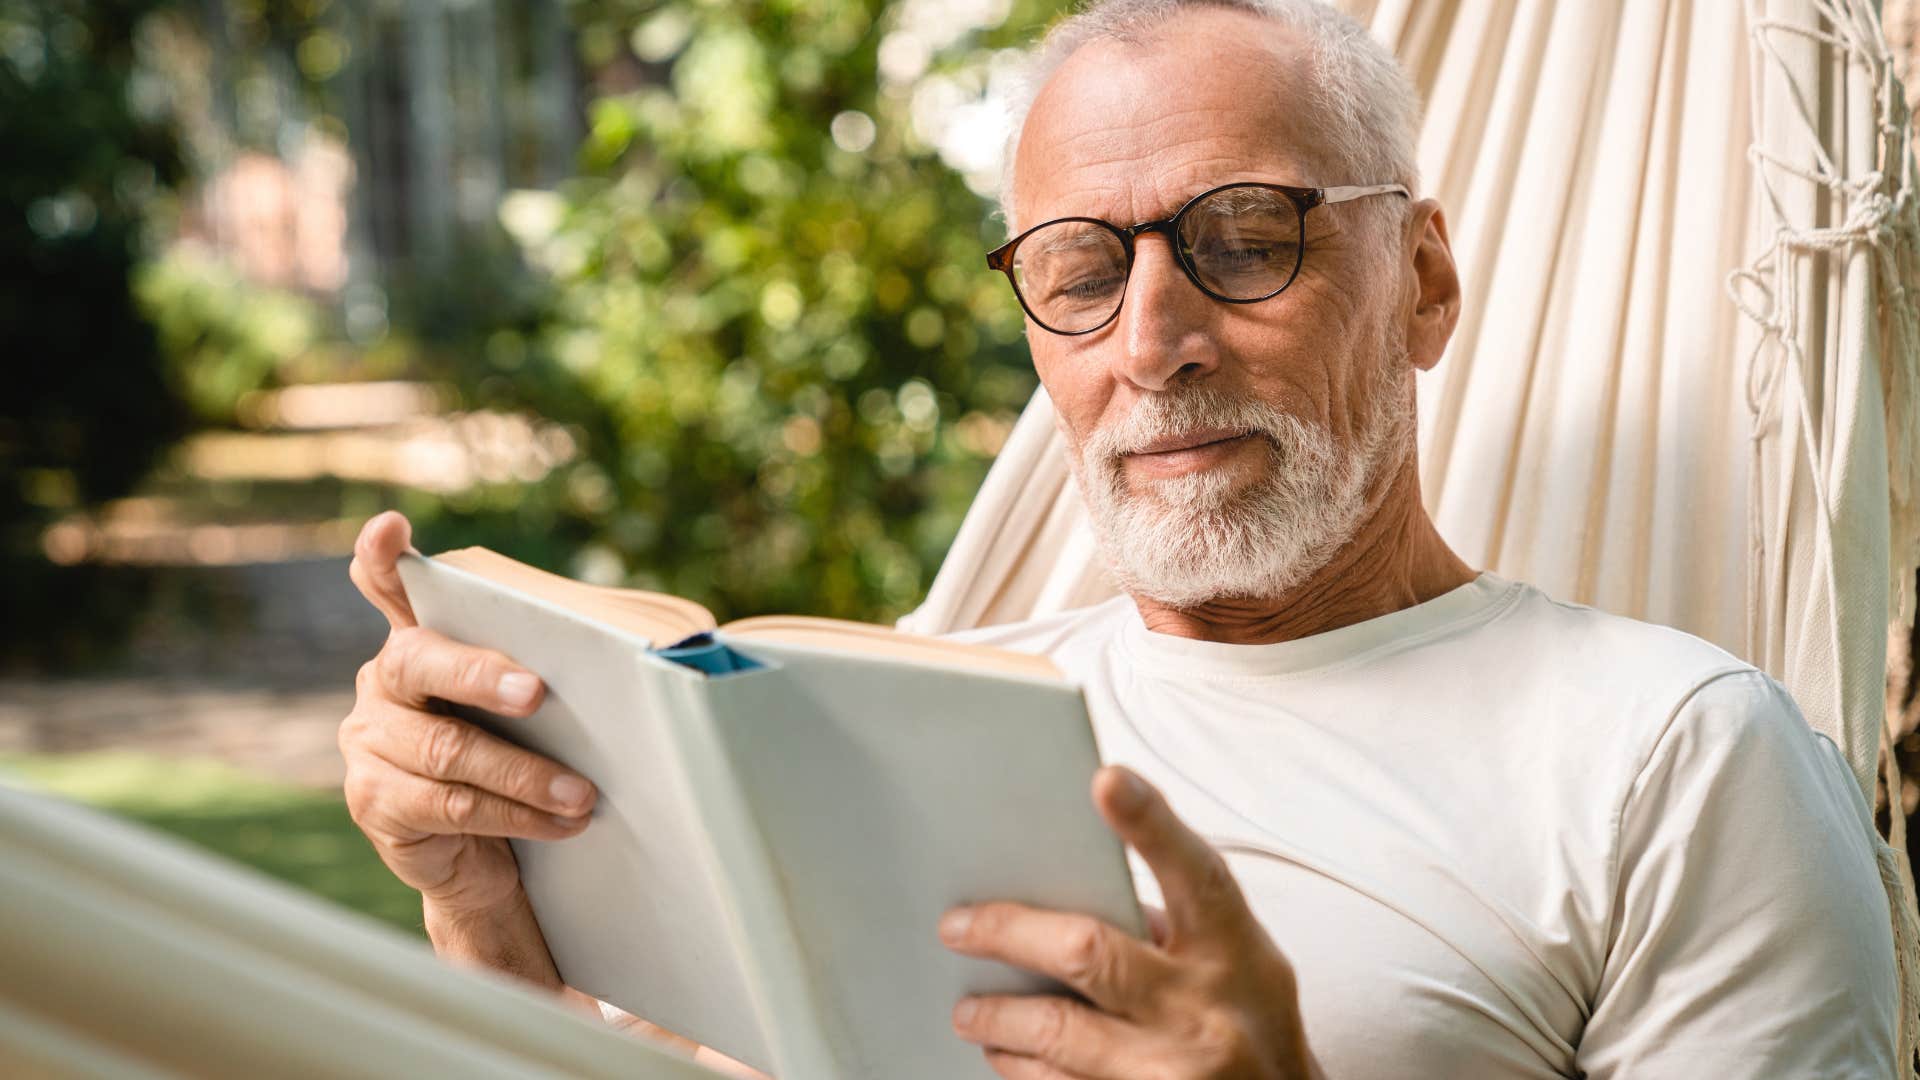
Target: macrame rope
1881,214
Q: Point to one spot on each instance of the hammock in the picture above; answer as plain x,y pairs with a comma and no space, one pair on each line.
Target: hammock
130,954
1683,387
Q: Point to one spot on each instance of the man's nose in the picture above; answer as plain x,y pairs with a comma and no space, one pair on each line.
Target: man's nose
1164,320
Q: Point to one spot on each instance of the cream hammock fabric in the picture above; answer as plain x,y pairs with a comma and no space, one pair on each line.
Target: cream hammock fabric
130,955
1684,384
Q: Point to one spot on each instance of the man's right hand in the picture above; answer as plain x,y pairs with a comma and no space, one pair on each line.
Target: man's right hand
436,795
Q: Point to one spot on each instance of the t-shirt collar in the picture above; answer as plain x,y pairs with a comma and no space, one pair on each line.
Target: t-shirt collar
1168,654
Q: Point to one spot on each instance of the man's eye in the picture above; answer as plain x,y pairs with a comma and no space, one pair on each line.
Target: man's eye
1247,258
1248,253
1088,289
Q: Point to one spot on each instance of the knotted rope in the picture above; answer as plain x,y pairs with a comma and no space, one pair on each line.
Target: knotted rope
1880,215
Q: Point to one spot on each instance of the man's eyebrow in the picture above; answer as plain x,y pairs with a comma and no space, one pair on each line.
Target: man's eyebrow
1241,199
1058,240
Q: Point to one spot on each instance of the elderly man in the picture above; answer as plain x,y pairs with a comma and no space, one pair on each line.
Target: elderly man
1406,819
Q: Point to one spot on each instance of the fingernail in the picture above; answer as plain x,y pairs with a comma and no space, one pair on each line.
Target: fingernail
1131,794
516,690
566,822
963,1012
953,925
570,790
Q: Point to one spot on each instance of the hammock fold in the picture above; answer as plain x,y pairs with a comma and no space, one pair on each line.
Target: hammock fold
130,954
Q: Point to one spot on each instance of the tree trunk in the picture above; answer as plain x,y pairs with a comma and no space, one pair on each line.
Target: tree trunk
1901,20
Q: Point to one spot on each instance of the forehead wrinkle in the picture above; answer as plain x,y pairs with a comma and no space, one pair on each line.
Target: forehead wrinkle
1127,140
1166,192
1165,160
1106,148
1132,160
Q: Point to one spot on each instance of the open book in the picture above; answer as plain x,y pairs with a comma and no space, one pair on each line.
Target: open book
787,805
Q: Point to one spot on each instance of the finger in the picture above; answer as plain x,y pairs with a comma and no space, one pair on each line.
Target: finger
444,748
1050,1030
627,1023
1203,899
409,807
417,664
726,1066
374,569
1157,928
1021,1067
1118,973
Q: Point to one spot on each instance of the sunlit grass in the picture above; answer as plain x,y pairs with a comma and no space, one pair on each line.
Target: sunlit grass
298,835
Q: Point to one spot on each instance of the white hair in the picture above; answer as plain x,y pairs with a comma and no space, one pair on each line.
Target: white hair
1367,108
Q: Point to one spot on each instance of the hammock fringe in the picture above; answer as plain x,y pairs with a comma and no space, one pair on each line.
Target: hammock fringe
1881,215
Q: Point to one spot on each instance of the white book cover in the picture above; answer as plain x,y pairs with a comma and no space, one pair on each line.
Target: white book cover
773,847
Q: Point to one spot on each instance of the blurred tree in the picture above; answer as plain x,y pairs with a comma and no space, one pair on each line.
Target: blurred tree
88,405
770,288
761,309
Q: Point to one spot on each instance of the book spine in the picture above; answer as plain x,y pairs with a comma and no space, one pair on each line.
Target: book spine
769,951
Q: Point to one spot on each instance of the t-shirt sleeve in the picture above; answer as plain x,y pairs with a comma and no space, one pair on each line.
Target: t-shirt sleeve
1750,934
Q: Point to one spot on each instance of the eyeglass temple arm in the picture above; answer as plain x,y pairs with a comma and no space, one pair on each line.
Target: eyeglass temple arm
1348,194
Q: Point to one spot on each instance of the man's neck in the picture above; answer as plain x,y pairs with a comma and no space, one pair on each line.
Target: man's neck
1396,559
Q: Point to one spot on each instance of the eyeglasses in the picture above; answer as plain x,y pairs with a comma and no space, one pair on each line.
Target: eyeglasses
1239,243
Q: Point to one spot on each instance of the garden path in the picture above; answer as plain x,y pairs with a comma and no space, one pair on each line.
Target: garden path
264,692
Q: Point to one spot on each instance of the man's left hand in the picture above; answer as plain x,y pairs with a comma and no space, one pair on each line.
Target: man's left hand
1210,996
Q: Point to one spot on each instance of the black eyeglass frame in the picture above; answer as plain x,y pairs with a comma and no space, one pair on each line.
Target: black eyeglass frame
1303,199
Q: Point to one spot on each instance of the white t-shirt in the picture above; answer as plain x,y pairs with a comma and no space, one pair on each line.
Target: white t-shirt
1502,836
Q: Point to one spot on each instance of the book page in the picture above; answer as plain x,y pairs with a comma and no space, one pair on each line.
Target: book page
870,640
660,618
664,619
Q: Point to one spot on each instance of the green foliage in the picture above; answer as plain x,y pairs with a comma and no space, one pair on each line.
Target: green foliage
781,357
87,405
796,356
88,398
221,335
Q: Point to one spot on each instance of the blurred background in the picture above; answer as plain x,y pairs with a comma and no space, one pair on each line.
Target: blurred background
680,295
676,294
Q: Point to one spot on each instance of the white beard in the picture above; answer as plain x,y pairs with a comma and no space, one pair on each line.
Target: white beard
1189,539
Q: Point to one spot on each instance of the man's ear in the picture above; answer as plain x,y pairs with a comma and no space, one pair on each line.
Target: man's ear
1436,302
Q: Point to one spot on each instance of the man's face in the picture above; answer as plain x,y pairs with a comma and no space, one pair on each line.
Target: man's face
1223,449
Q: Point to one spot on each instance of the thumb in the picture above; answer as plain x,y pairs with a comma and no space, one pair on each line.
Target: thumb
375,568
1158,929
1203,899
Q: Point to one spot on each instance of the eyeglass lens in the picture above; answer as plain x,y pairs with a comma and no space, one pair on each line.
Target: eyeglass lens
1241,243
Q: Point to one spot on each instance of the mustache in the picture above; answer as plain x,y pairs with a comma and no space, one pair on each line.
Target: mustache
1193,407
